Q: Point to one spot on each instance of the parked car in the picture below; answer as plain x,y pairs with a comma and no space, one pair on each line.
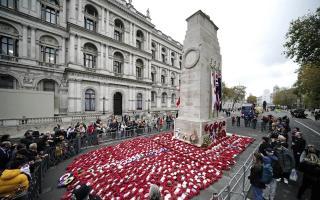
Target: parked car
298,113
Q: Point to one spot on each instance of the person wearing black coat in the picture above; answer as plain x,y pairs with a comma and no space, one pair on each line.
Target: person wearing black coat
298,146
310,166
264,145
256,176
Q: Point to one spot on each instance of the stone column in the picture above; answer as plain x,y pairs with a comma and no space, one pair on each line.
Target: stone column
64,14
71,49
107,31
63,51
72,11
79,53
80,14
33,43
102,21
24,42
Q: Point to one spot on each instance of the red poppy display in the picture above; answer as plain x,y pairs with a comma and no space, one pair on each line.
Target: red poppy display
127,170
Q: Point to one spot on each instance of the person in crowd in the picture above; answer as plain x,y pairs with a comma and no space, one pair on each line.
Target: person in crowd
5,154
256,176
233,120
254,122
310,166
28,139
154,193
238,121
298,145
270,191
264,145
283,141
285,160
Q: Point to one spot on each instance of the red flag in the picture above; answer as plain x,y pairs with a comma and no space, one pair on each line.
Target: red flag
178,102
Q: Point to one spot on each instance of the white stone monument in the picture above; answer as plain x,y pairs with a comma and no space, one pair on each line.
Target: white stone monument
201,65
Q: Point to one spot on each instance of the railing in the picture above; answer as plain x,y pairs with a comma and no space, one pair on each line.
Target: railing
239,185
69,148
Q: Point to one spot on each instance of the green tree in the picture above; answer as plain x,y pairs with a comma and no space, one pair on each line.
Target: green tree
252,99
303,39
308,85
238,94
285,97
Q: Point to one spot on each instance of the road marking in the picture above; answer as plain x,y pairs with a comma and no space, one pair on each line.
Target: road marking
308,127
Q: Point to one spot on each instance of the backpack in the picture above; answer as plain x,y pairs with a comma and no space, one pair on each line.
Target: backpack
267,173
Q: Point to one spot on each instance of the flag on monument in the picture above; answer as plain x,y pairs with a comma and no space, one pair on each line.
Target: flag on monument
213,91
178,102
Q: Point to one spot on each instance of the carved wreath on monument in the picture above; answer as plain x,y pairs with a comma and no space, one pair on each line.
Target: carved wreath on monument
191,58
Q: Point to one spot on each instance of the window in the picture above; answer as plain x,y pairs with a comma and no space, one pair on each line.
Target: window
172,81
90,18
9,3
163,54
153,78
153,50
89,61
118,30
49,54
153,96
48,49
172,58
139,39
90,100
50,11
9,43
139,101
173,98
163,79
138,44
180,61
164,98
139,69
117,63
7,82
90,53
49,85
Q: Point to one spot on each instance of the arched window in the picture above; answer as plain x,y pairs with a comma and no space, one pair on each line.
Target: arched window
173,98
49,49
90,100
118,30
9,3
8,82
153,96
153,50
163,77
9,38
164,98
50,11
153,75
117,63
90,18
90,54
180,62
47,85
173,56
173,77
139,39
139,101
139,69
164,54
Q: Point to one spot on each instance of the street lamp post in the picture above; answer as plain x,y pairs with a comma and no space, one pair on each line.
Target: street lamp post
103,105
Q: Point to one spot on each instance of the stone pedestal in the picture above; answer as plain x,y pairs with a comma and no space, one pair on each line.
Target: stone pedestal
201,58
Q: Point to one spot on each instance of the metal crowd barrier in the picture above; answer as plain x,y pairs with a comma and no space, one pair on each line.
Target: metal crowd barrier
69,148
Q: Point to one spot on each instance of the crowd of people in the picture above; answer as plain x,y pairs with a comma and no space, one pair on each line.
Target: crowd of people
20,157
277,160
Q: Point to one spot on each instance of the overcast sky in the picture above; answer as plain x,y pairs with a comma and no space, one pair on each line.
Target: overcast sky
251,34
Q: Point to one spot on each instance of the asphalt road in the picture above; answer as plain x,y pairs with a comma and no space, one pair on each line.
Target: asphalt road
309,128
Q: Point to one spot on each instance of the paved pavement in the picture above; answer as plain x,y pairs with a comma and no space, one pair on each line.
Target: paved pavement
309,128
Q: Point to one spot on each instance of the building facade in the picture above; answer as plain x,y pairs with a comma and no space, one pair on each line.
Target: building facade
95,56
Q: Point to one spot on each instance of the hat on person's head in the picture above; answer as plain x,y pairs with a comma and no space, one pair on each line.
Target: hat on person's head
81,192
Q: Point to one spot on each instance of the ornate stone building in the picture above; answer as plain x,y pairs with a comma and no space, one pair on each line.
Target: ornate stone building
96,56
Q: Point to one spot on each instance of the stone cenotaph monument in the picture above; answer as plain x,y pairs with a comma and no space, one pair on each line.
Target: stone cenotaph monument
200,90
